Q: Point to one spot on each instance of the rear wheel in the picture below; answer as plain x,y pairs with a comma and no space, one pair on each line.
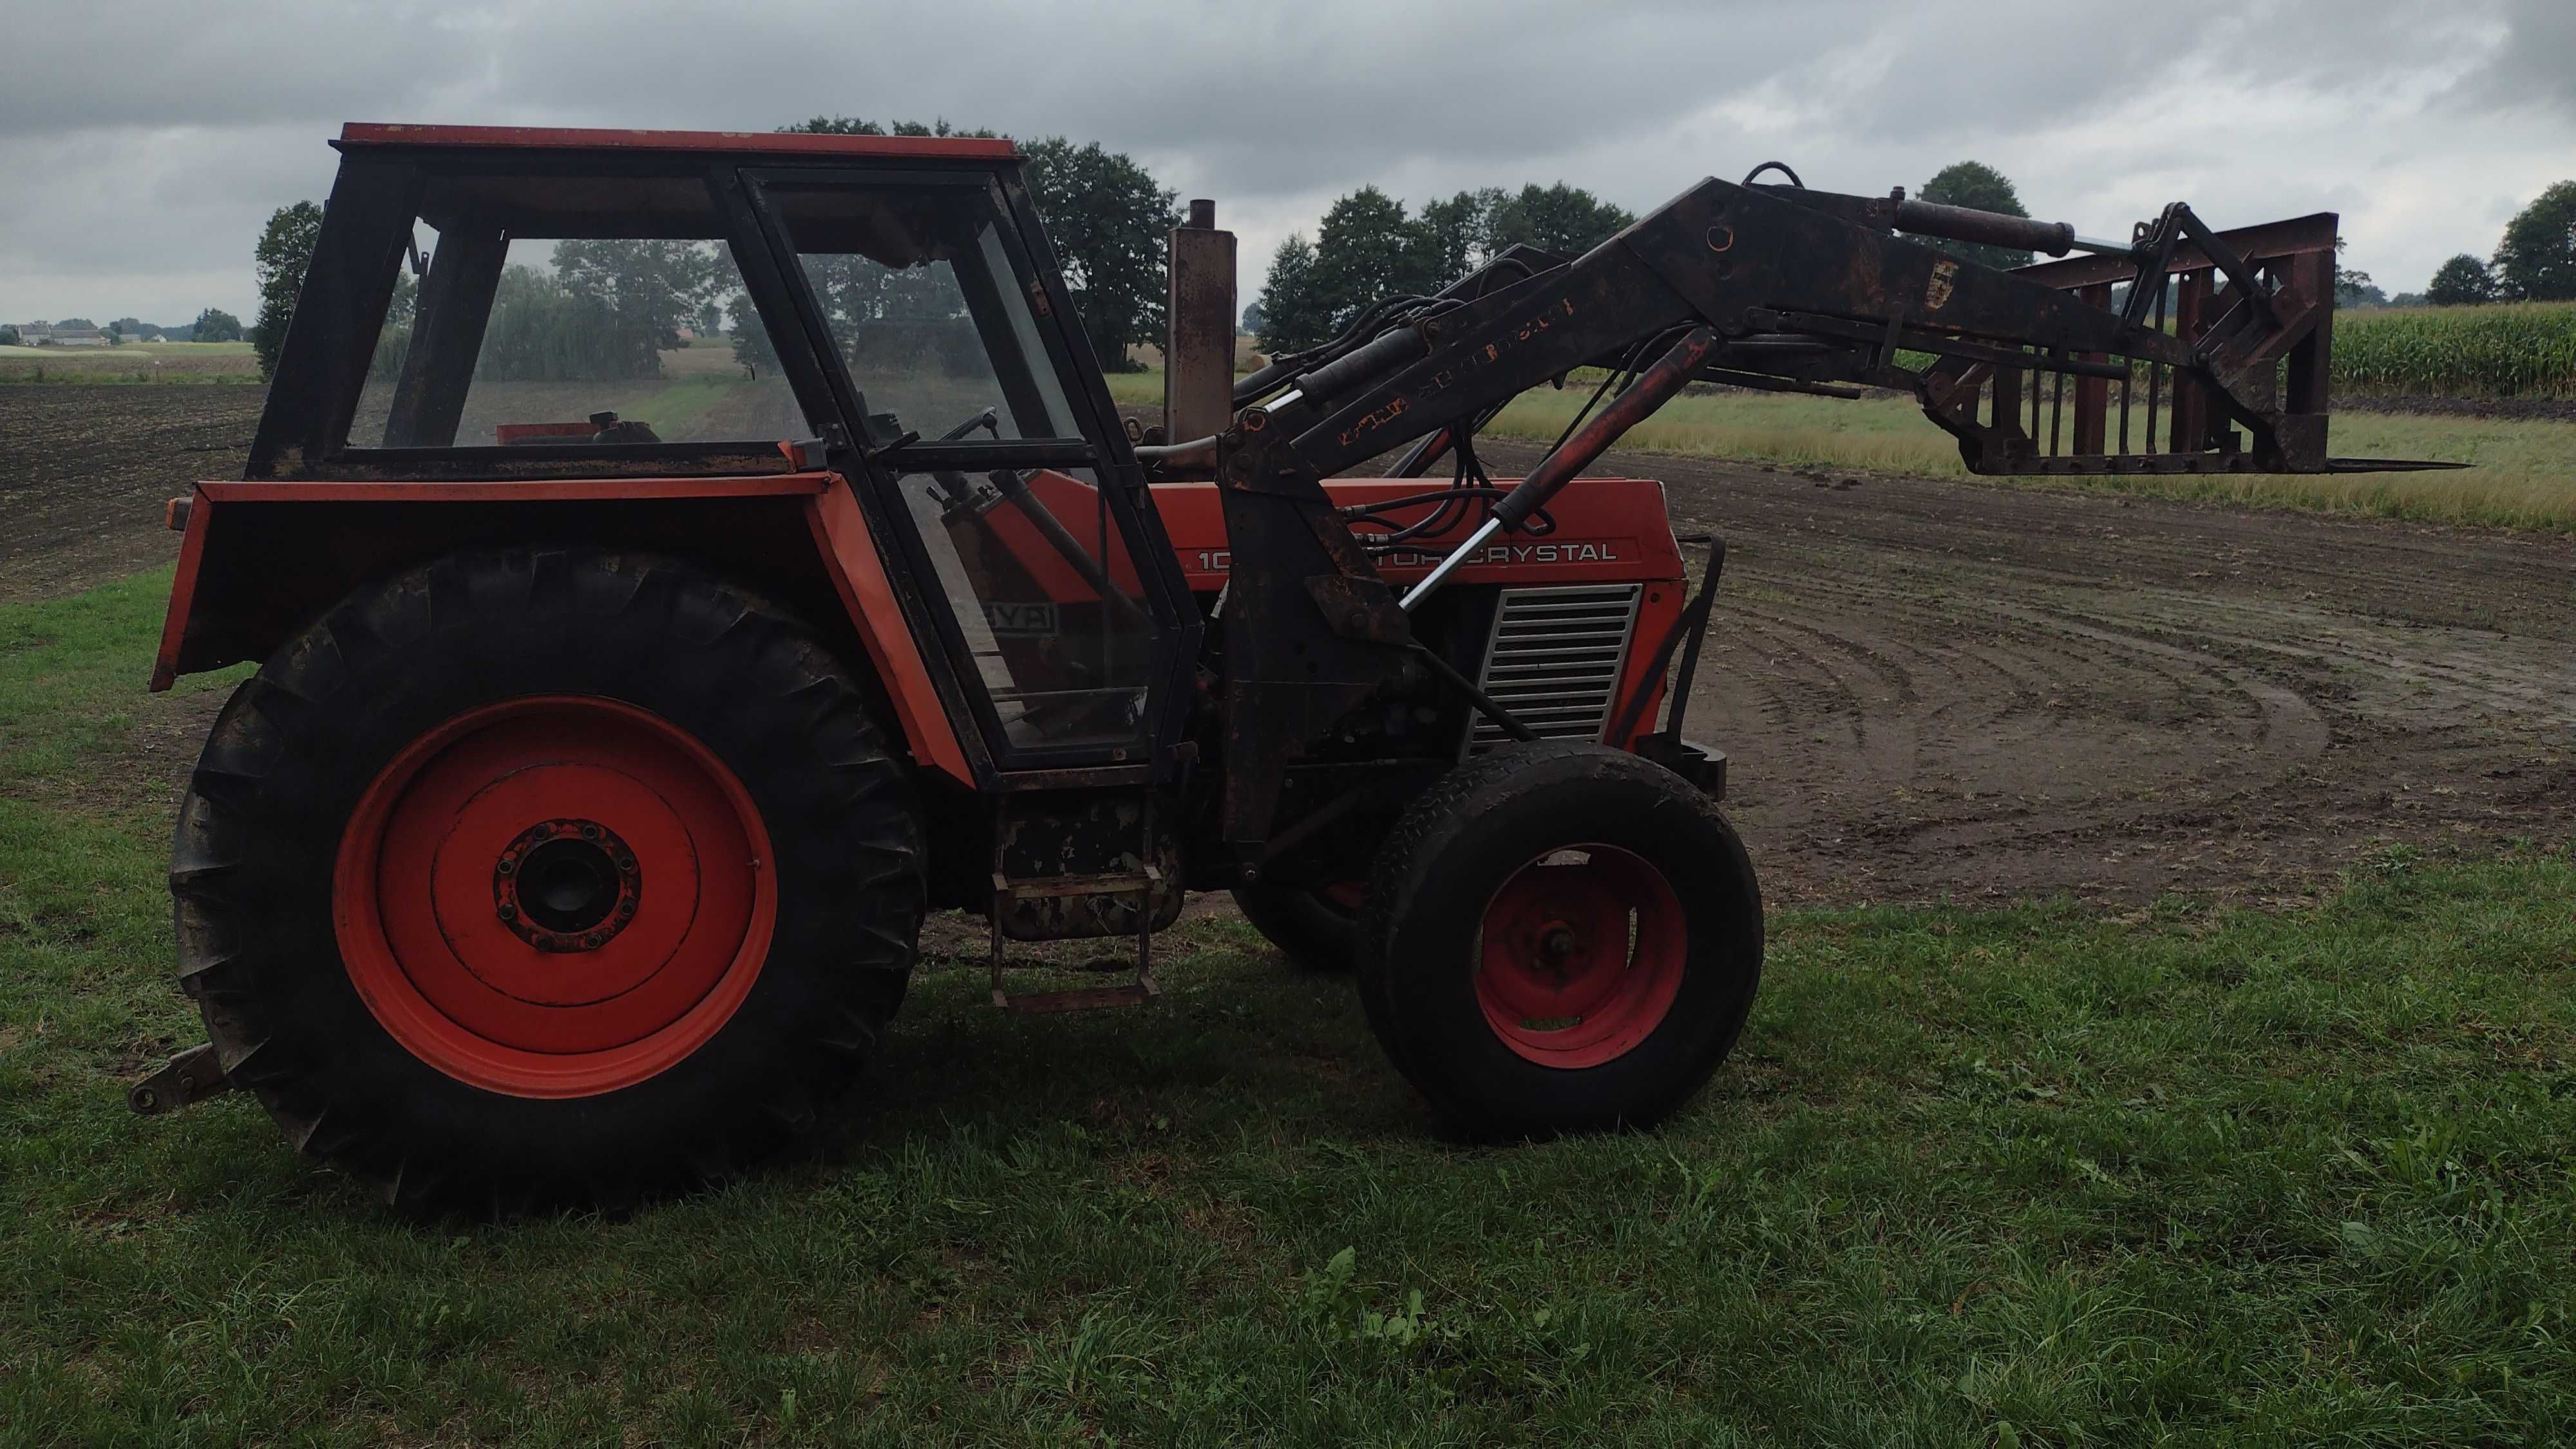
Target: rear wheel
546,875
1560,937
1316,927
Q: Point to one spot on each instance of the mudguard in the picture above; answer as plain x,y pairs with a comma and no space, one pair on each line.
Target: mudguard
260,560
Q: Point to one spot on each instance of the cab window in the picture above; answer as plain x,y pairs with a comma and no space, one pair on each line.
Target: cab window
591,311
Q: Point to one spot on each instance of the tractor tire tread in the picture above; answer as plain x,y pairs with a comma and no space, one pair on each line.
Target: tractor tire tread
836,800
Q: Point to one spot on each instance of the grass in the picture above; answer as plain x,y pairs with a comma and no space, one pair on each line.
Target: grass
2032,1176
2524,474
164,362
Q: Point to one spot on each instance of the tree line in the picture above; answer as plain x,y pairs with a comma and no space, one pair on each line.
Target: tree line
1369,248
2535,261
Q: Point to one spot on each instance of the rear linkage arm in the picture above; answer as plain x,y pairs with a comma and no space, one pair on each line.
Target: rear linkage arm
1780,284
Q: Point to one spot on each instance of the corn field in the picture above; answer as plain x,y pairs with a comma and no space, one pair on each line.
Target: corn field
2512,350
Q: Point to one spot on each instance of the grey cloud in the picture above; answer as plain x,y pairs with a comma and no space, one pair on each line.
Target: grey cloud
2250,108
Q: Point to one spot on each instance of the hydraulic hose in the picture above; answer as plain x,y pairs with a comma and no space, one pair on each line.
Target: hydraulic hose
1653,388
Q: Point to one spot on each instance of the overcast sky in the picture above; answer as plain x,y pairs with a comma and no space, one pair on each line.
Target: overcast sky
142,144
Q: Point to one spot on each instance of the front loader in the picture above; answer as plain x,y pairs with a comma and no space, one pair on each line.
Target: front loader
677,562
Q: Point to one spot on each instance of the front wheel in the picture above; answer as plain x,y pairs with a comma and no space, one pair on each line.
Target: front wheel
1560,937
546,875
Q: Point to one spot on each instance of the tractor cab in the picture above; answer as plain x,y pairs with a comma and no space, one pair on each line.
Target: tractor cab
496,304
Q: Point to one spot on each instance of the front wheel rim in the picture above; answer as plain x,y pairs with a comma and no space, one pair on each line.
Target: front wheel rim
555,896
1580,956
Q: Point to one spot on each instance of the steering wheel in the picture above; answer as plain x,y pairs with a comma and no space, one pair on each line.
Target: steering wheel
989,420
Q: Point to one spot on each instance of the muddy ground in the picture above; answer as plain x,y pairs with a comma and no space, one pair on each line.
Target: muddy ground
1929,689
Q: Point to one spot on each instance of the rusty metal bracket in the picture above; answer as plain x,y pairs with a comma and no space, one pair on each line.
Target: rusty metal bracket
1145,883
185,1080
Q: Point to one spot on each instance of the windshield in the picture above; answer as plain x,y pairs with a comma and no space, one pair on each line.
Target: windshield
927,310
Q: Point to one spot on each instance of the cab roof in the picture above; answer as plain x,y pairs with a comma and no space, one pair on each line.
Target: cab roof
756,143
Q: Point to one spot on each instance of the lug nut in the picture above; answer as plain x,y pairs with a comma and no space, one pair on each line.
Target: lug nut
542,941
594,940
506,911
506,867
589,832
626,865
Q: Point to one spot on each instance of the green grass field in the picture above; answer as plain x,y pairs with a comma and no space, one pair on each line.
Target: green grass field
2034,1176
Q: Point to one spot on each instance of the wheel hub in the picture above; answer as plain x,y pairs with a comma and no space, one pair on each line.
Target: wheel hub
492,906
566,885
1581,958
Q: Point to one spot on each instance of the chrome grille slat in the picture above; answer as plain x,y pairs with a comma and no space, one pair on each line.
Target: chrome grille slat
1554,659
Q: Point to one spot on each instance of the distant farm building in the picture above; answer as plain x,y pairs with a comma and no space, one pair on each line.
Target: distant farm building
46,334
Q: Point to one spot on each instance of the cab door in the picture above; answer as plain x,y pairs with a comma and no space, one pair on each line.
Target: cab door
988,459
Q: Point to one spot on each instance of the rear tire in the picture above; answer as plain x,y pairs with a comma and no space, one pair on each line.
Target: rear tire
1559,937
1309,926
546,875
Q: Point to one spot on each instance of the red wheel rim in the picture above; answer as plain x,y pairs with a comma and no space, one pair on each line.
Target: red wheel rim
555,896
1580,955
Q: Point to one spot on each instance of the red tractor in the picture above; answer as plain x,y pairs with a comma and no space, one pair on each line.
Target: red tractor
623,706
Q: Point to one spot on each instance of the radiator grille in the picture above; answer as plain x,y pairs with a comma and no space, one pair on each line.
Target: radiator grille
1554,660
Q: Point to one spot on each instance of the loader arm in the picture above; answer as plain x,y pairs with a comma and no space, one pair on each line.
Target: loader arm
1773,287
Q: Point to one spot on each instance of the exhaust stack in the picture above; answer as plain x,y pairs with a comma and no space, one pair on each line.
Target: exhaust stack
1198,345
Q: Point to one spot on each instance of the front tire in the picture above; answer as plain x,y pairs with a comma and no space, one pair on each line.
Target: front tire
1560,937
546,875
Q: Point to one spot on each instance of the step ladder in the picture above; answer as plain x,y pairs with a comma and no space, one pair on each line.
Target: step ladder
1143,884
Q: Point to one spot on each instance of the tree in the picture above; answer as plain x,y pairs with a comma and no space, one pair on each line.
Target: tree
116,334
652,287
8,335
2461,281
854,126
216,325
1567,220
285,249
1110,224
1253,318
1367,251
2355,289
1457,235
1293,314
751,345
543,331
1104,213
1979,187
2537,259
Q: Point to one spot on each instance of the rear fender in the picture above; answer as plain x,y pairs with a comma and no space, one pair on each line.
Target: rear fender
261,560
